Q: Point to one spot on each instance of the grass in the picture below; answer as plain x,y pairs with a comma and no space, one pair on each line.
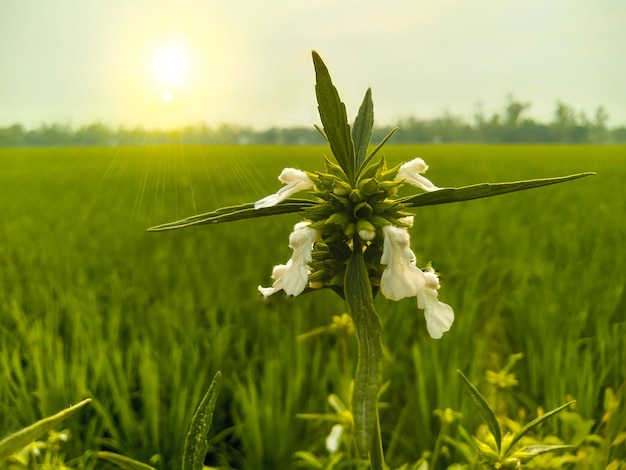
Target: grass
94,306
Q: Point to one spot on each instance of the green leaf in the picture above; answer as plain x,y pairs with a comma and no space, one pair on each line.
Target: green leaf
368,376
233,213
530,452
535,422
478,191
484,409
196,445
334,119
17,441
376,149
122,461
362,131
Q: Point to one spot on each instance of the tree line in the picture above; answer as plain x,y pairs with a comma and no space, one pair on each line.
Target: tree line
510,125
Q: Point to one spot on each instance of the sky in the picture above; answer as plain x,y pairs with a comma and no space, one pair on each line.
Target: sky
162,63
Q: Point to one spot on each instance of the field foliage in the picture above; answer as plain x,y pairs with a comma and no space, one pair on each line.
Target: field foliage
92,305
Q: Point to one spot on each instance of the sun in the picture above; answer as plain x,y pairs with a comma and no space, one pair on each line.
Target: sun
170,67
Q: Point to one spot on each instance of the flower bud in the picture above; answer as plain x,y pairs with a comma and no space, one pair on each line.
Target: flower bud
366,229
362,210
368,186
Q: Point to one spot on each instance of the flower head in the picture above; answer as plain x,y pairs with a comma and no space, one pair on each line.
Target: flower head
295,180
411,172
293,276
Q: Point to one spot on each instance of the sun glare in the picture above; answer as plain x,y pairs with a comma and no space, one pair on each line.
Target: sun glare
167,97
170,66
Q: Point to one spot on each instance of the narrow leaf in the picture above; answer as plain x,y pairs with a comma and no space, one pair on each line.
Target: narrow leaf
17,441
362,131
529,452
123,462
196,444
233,213
368,376
334,119
535,422
484,409
375,150
478,191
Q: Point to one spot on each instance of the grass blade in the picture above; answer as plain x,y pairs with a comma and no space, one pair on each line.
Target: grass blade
535,422
122,461
17,441
233,213
484,409
478,191
334,119
196,445
362,131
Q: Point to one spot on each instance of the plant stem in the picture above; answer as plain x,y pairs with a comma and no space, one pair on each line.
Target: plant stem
377,458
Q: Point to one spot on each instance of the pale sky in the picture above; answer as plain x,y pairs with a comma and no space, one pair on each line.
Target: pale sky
161,63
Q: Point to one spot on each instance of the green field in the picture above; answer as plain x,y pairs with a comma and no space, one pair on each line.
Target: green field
92,305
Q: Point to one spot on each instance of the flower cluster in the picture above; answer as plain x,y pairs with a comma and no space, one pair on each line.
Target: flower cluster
365,217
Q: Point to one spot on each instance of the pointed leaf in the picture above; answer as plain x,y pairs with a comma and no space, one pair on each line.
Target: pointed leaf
375,150
196,445
233,213
535,422
484,409
17,441
478,191
362,131
528,453
334,119
368,376
122,461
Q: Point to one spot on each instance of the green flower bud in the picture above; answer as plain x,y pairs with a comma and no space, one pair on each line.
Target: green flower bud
368,186
362,210
338,218
341,188
366,229
356,195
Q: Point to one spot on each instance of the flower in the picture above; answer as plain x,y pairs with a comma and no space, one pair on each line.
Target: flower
293,276
401,278
296,180
334,438
439,316
412,171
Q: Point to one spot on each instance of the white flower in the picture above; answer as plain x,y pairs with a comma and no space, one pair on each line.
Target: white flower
411,172
401,278
294,276
334,438
439,316
295,180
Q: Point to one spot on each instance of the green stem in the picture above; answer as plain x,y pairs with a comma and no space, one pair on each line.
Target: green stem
377,458
368,376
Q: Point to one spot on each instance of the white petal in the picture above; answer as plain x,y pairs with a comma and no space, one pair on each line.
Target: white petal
293,277
411,171
295,180
401,278
334,438
266,291
439,316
